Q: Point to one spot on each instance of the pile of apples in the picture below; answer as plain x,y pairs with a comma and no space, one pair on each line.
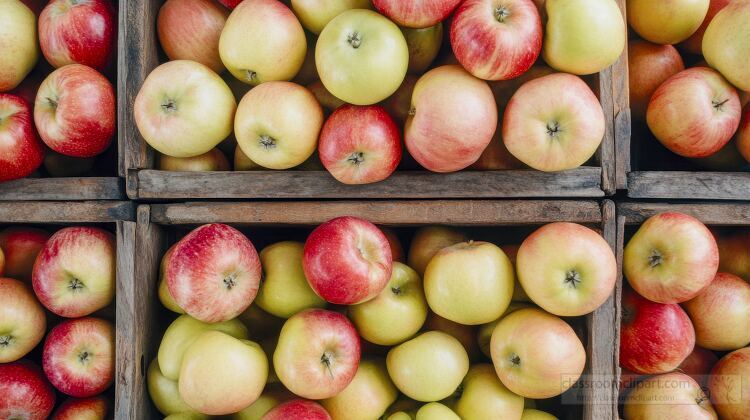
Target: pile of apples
358,81
695,112
71,274
62,118
689,302
339,327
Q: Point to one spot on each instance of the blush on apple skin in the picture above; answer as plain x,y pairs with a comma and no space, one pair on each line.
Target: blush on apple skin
298,409
25,391
694,44
21,245
649,65
190,30
698,364
78,408
416,13
21,151
230,4
743,136
728,385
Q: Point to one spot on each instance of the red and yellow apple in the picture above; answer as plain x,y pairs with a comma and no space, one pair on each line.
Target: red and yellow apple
82,408
190,30
366,397
22,320
671,395
698,365
20,246
728,385
297,409
26,392
743,137
21,151
416,13
649,65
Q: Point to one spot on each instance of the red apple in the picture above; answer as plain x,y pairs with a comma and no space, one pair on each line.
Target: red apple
82,32
654,337
694,113
698,364
26,394
74,274
649,65
743,135
297,410
75,111
416,13
22,320
734,253
693,45
360,144
213,273
21,151
84,408
190,30
230,4
21,245
728,385
347,260
79,356
669,396
496,40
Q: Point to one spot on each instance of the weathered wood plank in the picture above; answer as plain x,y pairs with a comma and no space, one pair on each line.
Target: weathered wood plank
124,355
725,214
65,212
621,102
689,185
70,189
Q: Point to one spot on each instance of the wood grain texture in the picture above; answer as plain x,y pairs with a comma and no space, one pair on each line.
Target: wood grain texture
689,185
66,212
70,189
722,214
622,121
124,296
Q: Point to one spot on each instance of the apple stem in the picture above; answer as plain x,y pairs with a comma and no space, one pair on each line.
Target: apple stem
52,102
354,39
515,359
326,359
655,258
229,281
251,76
75,284
5,340
356,158
573,278
719,104
169,106
83,357
397,291
501,13
267,142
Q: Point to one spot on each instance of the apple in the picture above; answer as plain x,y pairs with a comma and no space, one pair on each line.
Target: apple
721,313
416,13
347,260
213,160
725,45
74,273
78,32
259,323
533,414
666,22
654,337
433,411
213,273
165,297
221,374
649,65
329,102
26,392
424,45
284,290
398,105
583,36
469,283
728,385
17,29
21,151
465,334
483,396
484,334
75,111
698,365
694,43
452,120
84,408
297,409
397,251
672,395
230,4
181,333
163,391
519,295
504,89
397,313
79,356
184,109
59,165
277,124
427,241
536,354
743,135
496,40
22,320
21,245
315,14
698,124
242,162
734,254
360,144
190,30
317,354
567,269
496,156
273,395
553,123
368,395
428,367
671,258
262,41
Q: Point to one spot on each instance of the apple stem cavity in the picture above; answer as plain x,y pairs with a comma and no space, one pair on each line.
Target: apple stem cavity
169,106
84,357
5,340
229,281
354,39
52,102
327,359
397,291
267,142
75,285
572,278
356,158
515,360
719,104
412,111
251,76
501,13
553,129
655,258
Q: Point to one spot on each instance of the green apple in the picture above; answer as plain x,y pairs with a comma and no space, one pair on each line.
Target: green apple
583,36
484,335
273,395
315,14
180,335
436,411
533,414
163,391
189,415
427,241
424,45
726,44
18,36
428,367
366,397
469,283
362,57
484,395
165,297
259,323
397,313
403,409
400,415
284,290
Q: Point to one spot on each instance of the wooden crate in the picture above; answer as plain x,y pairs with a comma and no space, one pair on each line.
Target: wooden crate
159,225
142,54
115,216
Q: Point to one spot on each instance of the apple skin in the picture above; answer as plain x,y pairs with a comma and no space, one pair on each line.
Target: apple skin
452,120
427,241
22,320
484,396
360,144
259,323
221,374
273,395
74,273
297,409
728,385
465,334
79,356
163,391
25,390
362,266
666,22
416,13
75,111
536,354
698,124
329,102
397,250
398,105
533,414
190,30
230,4
433,411
693,44
94,408
242,162
315,14
649,65
671,395
21,150
654,337
213,160
75,32
734,254
213,273
725,46
269,124
368,395
671,258
721,313
412,366
262,41
743,136
566,268
424,45
17,29
496,156
496,40
484,334
21,245
698,365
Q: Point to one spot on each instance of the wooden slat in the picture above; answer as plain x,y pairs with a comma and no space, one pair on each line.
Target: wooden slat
622,119
690,185
65,212
125,358
71,189
725,214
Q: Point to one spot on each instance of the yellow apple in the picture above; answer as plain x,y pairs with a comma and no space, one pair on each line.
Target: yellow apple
726,44
427,241
533,414
20,47
465,334
484,396
436,411
188,415
668,396
242,162
273,395
163,391
259,323
213,160
366,397
166,298
315,14
666,21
